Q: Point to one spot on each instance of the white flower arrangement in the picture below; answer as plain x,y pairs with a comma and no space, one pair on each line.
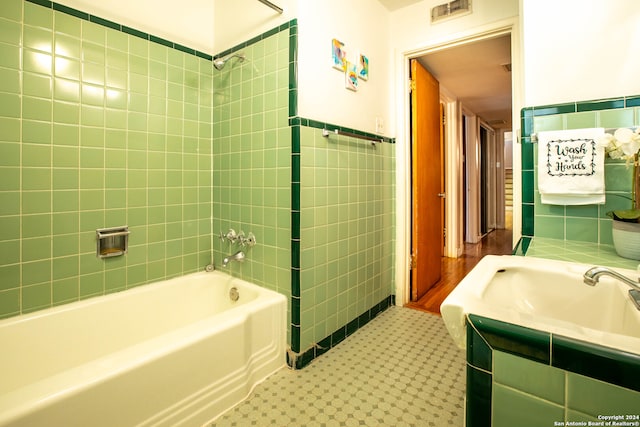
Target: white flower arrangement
623,144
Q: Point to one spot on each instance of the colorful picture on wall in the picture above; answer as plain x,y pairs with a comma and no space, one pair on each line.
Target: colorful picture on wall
338,54
351,76
363,67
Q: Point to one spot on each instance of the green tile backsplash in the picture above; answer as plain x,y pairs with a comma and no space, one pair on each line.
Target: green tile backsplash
98,128
576,223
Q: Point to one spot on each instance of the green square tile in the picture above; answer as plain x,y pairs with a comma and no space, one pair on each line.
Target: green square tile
67,46
92,137
65,222
618,176
39,39
36,108
93,73
10,227
68,68
67,24
9,154
65,201
66,135
36,132
93,95
36,225
36,155
93,33
91,179
91,285
595,397
92,52
34,202
616,118
34,249
36,297
36,179
9,80
11,33
117,40
10,130
66,90
65,290
530,377
66,112
116,78
38,16
9,200
11,9
582,229
9,56
91,158
9,105
10,277
92,116
65,245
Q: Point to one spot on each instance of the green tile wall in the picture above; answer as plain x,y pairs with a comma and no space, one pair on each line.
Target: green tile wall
347,219
575,223
98,128
252,159
322,211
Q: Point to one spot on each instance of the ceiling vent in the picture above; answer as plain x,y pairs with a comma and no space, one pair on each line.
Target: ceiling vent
451,9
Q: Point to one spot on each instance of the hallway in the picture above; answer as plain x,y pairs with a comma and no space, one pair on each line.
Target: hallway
498,242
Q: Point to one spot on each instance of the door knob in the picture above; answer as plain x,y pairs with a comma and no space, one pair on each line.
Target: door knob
441,195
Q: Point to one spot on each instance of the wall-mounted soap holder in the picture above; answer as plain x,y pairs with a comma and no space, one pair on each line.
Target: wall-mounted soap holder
112,241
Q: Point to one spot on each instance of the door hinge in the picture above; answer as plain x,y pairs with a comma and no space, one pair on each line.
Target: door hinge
413,263
412,85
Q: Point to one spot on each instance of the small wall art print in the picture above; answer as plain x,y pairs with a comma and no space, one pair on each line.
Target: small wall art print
363,67
338,54
351,76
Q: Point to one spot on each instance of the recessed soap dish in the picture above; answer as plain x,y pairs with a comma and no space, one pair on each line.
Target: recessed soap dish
112,241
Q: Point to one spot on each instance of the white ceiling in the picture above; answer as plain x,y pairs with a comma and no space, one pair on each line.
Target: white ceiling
472,72
476,75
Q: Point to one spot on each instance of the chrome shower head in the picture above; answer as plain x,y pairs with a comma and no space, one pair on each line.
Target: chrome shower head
219,63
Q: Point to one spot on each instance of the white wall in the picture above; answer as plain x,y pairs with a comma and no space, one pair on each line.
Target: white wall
187,22
237,21
363,26
580,50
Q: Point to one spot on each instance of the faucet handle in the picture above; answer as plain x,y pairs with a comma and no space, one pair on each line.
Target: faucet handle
230,235
249,240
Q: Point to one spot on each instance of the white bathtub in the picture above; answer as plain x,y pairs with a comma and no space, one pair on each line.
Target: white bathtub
173,353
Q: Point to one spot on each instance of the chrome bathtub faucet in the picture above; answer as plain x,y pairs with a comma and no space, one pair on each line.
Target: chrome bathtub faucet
592,276
238,257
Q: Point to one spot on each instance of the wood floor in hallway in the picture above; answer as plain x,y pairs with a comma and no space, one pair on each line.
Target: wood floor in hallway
498,242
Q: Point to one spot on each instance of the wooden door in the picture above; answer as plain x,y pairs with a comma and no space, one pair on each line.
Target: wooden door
427,181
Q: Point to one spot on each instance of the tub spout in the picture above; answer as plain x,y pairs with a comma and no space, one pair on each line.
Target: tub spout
238,257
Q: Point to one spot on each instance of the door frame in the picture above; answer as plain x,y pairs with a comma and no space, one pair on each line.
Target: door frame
452,151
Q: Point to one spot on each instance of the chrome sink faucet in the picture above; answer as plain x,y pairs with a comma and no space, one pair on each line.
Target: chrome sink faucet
238,257
592,276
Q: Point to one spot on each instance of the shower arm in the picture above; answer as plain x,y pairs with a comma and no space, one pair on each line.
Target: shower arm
272,6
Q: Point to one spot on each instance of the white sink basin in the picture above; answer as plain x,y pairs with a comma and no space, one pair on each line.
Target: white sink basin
545,295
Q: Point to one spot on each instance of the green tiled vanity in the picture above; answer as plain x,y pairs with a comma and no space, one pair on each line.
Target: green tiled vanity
527,377
524,377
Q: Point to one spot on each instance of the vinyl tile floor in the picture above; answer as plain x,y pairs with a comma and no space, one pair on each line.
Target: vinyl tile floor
401,369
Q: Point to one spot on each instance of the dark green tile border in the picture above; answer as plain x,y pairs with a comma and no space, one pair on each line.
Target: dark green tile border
299,361
294,121
590,360
478,402
524,342
118,27
606,364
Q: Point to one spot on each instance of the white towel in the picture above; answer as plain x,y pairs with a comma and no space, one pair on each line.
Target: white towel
571,167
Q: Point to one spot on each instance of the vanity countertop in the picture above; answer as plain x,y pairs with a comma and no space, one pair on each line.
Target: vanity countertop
582,252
